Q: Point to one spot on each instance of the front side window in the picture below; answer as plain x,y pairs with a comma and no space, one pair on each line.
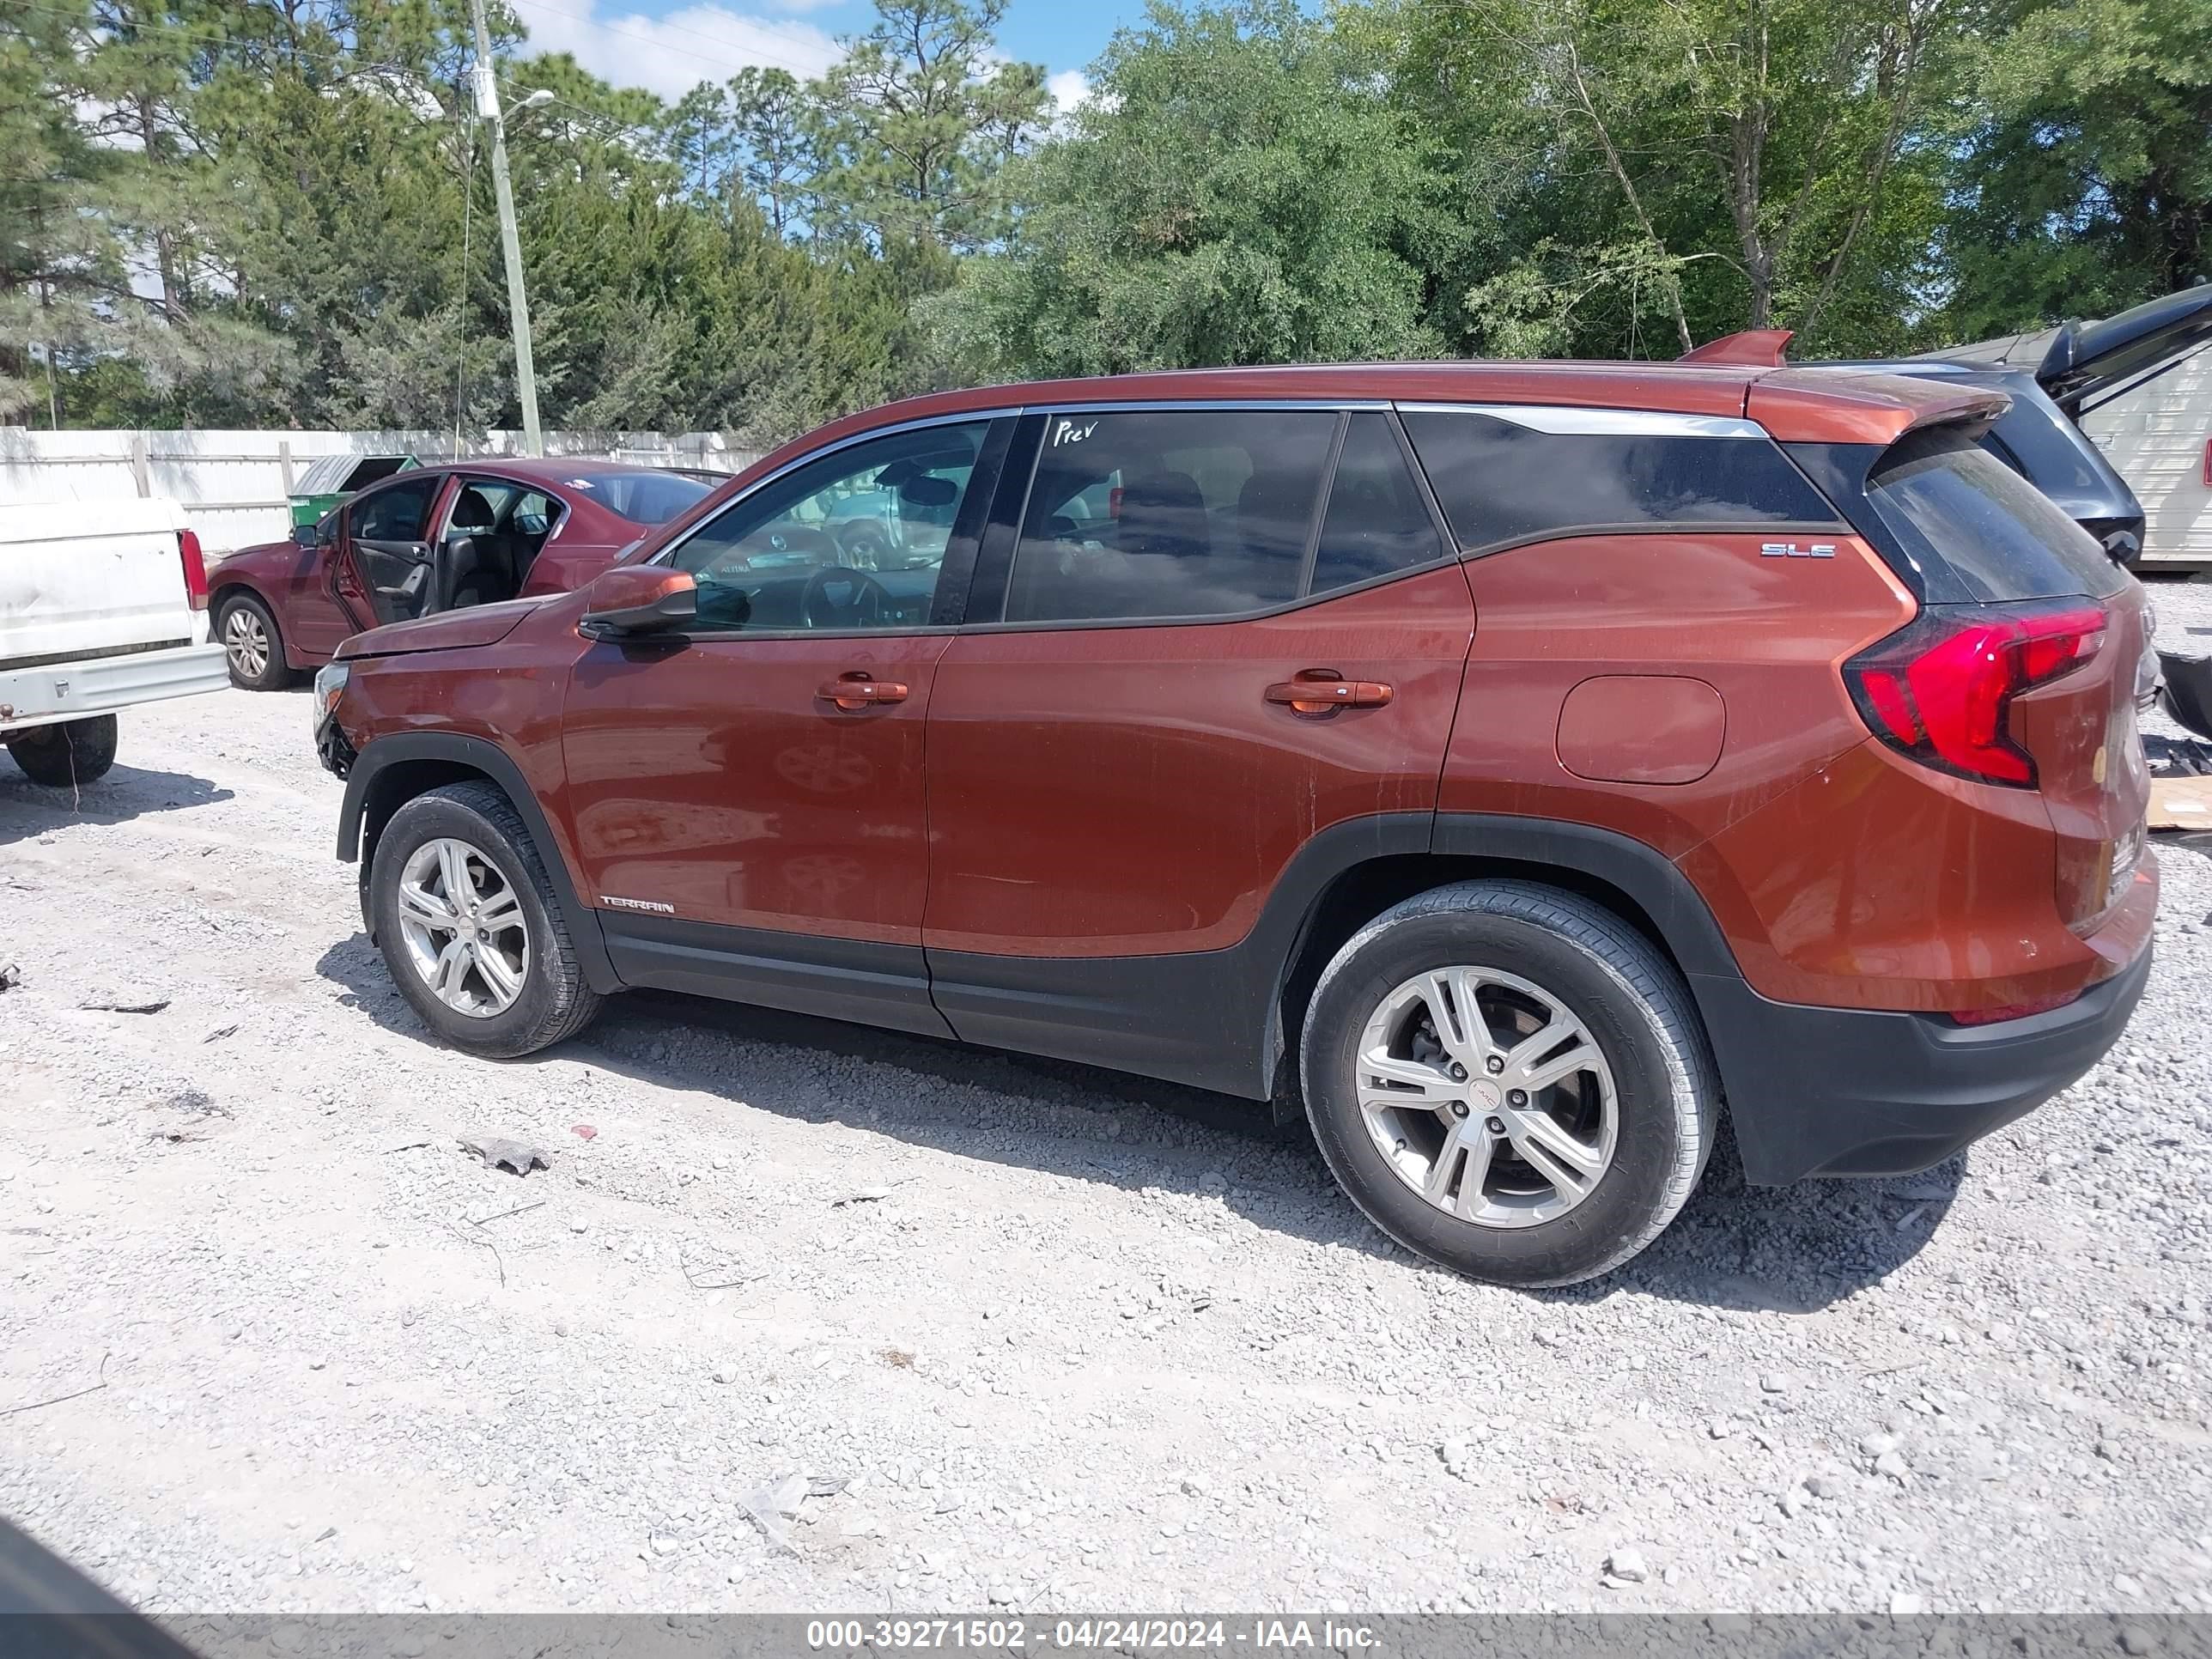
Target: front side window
853,541
1166,513
400,513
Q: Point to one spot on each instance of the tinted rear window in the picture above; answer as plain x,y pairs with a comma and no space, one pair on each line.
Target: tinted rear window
1157,513
641,497
1951,503
1498,482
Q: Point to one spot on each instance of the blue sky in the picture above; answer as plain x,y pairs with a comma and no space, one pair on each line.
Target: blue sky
670,45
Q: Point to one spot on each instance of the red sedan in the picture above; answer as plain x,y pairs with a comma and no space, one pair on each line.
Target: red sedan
451,534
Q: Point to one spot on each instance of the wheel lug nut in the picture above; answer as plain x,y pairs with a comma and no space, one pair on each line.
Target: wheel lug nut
1493,1065
1459,1108
1496,1126
1458,1072
1518,1098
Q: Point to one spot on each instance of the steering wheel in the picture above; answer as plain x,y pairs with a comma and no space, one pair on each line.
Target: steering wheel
836,596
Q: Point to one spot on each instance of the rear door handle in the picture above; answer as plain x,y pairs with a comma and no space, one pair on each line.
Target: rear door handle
1320,692
859,689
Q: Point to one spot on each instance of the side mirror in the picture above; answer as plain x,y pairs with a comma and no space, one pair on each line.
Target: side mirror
303,535
640,599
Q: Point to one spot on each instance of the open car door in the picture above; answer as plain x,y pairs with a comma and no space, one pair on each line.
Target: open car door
389,565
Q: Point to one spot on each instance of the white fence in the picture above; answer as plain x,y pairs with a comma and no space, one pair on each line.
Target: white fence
234,485
2156,437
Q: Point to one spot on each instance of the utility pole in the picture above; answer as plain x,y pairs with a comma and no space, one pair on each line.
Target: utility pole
518,302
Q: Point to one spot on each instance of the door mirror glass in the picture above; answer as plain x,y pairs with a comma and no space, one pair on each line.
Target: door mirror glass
307,535
640,599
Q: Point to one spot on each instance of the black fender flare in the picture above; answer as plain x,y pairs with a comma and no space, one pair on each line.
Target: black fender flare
482,756
1647,876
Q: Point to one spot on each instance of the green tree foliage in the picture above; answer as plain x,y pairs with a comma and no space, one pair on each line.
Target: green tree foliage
2085,179
263,211
1240,189
280,211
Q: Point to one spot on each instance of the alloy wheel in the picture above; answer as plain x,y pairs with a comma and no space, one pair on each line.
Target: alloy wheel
245,641
1486,1096
463,927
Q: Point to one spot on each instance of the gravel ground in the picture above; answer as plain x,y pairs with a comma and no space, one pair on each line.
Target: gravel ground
1067,1340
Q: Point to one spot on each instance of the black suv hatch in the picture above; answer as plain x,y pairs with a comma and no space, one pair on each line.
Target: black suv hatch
2076,361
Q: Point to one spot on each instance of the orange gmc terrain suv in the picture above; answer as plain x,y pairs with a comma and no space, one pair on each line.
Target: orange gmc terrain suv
1515,767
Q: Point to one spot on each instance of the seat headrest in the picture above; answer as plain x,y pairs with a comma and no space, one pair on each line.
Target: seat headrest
471,512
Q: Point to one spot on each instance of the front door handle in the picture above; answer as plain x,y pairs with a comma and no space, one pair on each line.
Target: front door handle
859,689
1320,692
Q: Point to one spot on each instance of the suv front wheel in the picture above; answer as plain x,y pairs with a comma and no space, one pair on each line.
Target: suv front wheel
469,926
1510,1081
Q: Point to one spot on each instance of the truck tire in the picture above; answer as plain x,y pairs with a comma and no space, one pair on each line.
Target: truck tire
470,929
1510,1081
252,645
64,756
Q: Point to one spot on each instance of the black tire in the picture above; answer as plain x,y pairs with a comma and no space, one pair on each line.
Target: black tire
61,757
253,625
553,1002
1637,1010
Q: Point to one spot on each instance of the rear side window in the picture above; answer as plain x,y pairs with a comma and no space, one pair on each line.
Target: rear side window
1137,514
1376,523
398,513
1951,503
1500,482
642,497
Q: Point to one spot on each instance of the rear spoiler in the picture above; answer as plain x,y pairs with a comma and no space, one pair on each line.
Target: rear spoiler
1813,404
1751,348
1862,406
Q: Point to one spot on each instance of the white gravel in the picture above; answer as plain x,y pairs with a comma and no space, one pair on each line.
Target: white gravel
1069,1341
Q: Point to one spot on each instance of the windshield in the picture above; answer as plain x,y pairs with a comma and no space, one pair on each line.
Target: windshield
642,497
1951,501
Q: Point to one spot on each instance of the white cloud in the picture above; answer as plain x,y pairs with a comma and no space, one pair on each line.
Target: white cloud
671,55
1069,88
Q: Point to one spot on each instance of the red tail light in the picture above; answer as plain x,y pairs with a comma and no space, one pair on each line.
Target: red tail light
1939,688
188,549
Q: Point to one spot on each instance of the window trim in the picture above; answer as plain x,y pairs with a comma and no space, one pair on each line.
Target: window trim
988,588
1585,421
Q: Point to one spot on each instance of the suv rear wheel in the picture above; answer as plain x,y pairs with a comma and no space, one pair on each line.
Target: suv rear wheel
470,928
1510,1081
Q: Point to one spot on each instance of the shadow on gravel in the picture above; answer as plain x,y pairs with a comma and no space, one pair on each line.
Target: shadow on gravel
1792,1249
27,809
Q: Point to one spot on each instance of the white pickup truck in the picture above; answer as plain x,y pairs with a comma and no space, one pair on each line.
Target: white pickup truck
103,605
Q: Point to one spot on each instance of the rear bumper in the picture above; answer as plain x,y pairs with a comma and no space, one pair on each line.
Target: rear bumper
1836,1091
101,685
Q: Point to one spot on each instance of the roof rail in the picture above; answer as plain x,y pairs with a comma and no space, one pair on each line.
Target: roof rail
1753,348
